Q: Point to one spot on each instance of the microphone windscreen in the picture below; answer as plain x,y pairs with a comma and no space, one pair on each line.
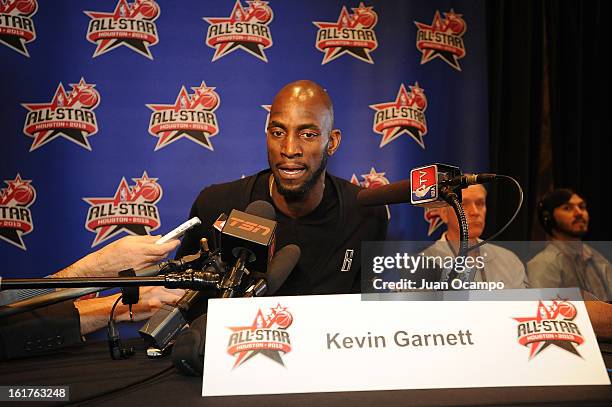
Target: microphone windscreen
397,192
188,350
262,209
281,266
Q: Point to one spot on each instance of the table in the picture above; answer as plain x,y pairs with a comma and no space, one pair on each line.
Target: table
95,379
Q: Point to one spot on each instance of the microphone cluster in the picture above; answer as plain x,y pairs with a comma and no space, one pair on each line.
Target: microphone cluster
246,266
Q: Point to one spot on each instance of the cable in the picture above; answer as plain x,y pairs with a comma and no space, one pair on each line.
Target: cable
117,351
518,208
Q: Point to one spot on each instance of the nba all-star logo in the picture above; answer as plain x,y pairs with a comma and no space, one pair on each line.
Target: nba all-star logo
69,115
130,24
404,115
15,215
132,210
191,116
551,326
442,39
373,179
246,28
432,217
16,24
266,336
352,34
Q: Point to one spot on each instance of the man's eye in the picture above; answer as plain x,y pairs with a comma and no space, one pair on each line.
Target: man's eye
309,135
275,133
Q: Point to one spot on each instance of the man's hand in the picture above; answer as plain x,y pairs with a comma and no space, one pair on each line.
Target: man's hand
151,299
94,313
135,252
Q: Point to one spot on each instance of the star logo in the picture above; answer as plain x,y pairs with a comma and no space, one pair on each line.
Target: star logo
131,210
15,215
69,115
267,109
432,217
266,336
442,39
352,34
16,24
551,326
131,25
191,116
373,179
404,115
247,28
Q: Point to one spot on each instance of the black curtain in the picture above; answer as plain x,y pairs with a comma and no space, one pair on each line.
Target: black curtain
545,106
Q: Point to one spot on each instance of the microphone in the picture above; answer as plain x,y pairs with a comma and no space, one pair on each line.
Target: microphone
166,323
247,237
188,262
281,266
426,187
465,180
188,350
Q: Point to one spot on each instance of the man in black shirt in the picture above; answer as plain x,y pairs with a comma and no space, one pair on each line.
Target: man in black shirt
315,210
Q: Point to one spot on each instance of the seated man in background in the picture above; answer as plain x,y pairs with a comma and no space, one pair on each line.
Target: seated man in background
63,324
500,265
567,261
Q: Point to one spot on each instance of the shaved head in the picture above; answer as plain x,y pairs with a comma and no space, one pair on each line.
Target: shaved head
304,92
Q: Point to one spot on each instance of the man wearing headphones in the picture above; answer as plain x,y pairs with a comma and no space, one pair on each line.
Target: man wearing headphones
567,261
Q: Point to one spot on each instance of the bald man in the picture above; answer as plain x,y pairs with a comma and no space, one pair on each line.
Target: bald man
500,265
314,209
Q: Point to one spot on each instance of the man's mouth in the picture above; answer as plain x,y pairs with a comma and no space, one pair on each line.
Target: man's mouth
291,171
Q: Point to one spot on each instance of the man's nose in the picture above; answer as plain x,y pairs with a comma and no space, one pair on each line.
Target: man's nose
291,146
578,211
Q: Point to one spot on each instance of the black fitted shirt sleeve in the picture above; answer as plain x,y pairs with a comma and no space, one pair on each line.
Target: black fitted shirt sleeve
40,331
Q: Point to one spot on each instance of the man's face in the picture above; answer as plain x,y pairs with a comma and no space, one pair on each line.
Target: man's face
475,208
572,218
298,137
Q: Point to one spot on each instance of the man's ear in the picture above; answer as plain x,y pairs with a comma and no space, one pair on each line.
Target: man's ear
334,141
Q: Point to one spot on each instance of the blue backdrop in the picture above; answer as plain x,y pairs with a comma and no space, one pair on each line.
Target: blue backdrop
116,114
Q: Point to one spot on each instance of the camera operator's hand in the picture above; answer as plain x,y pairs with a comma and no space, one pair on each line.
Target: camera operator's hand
94,312
135,252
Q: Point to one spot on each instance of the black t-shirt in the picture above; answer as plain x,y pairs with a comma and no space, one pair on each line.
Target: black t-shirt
329,237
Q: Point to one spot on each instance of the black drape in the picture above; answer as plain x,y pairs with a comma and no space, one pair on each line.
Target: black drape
545,101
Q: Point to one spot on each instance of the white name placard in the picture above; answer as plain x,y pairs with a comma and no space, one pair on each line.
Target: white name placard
336,343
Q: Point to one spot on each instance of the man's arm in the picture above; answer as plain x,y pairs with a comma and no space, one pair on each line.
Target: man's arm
94,313
134,252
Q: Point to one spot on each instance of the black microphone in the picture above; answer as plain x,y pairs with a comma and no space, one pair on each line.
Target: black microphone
188,351
423,188
281,266
465,180
167,322
247,237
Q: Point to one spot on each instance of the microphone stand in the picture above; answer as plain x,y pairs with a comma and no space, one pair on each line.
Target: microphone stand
189,279
450,196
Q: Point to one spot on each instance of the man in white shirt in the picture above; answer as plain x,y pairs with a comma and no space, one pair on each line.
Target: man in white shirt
500,265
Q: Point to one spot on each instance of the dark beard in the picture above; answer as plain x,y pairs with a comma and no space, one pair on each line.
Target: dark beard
298,194
578,234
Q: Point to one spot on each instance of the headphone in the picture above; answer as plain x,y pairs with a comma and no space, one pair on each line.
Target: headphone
546,218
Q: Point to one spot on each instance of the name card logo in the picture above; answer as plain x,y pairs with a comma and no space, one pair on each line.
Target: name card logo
266,336
552,325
